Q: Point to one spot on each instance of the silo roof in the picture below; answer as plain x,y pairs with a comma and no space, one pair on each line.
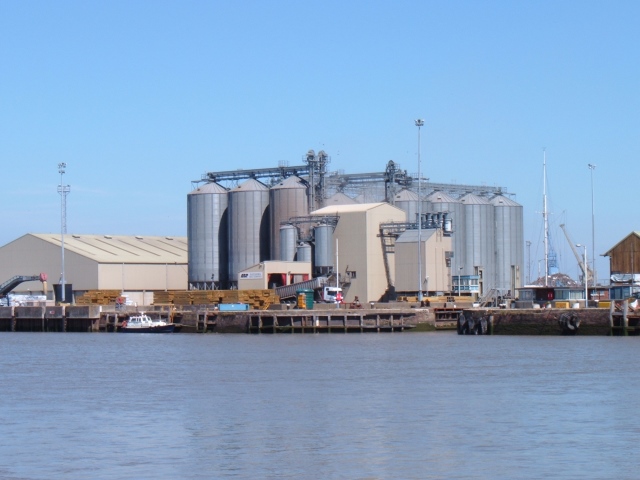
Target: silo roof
211,187
290,182
502,201
406,195
441,197
471,199
250,185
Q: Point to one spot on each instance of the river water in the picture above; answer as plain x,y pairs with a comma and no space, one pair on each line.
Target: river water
366,406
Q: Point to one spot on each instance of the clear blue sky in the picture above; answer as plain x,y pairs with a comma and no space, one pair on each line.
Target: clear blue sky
139,98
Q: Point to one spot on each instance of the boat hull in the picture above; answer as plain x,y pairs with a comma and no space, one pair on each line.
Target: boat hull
169,328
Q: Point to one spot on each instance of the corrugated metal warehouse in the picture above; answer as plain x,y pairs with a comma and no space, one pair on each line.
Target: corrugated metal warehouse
133,264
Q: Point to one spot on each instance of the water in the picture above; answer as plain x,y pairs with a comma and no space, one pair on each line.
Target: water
366,406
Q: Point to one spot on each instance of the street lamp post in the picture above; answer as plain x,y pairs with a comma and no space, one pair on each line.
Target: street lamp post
419,123
586,283
63,190
592,167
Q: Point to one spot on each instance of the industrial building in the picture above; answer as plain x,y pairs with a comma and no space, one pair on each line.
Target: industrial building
133,265
470,236
624,265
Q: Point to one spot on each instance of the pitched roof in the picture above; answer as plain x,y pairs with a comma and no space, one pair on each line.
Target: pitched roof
122,248
354,207
610,251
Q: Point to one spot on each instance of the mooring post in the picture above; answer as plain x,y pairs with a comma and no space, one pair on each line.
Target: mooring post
612,308
625,319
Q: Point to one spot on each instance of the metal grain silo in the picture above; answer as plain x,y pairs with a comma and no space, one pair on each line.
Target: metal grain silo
303,252
323,255
286,199
439,202
248,226
509,244
288,239
479,240
408,201
207,237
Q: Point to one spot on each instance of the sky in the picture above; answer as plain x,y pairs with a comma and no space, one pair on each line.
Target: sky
141,98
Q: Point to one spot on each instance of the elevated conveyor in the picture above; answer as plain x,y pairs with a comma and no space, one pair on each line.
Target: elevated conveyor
289,291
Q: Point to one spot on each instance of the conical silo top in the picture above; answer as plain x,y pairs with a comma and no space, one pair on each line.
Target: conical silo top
290,182
251,185
209,188
339,198
471,199
441,197
406,196
502,201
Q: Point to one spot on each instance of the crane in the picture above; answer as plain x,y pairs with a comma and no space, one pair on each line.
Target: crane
588,275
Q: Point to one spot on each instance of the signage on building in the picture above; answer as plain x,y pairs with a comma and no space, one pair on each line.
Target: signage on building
250,275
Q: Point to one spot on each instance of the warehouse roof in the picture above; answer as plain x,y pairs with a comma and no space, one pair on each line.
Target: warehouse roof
356,207
122,248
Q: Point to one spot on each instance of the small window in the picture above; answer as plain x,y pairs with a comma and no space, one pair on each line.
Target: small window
351,273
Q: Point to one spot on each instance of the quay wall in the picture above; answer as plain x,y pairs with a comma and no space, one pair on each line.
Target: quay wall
552,321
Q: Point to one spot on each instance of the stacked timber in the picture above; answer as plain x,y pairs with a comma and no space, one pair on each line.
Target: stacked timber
182,297
205,297
98,297
163,297
256,299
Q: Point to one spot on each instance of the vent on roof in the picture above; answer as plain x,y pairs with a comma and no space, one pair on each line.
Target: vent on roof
169,238
75,236
138,237
108,236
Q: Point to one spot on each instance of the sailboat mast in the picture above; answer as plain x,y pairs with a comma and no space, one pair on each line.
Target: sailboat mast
545,218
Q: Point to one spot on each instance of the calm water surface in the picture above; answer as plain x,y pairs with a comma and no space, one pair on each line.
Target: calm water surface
366,406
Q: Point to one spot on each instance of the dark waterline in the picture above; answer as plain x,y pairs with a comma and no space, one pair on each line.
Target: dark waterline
378,406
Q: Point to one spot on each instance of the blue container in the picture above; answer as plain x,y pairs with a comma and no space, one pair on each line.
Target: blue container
233,307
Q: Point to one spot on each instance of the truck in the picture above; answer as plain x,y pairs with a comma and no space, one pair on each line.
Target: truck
331,294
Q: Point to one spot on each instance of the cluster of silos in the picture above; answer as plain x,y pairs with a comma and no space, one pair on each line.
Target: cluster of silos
231,230
487,233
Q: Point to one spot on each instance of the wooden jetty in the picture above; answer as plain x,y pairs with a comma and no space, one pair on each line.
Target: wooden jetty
203,318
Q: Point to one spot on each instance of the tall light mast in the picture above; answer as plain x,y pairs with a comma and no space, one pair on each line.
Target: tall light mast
592,167
545,217
63,190
419,123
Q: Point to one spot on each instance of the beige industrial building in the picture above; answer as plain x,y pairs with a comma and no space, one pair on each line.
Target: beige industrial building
135,265
360,253
271,274
435,248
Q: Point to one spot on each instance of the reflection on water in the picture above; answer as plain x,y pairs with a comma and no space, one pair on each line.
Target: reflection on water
409,405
